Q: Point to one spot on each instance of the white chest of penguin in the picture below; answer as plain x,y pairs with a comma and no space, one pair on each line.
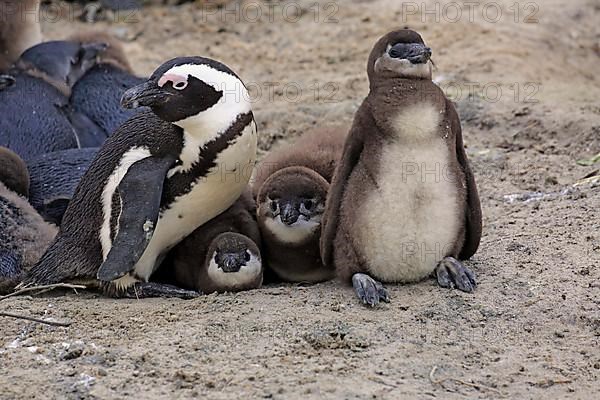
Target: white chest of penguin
412,220
209,196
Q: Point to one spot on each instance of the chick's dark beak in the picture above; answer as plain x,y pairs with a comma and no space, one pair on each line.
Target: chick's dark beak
289,214
147,94
231,263
416,53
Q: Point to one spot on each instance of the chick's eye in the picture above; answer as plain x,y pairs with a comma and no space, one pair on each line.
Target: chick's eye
180,85
273,205
247,256
308,204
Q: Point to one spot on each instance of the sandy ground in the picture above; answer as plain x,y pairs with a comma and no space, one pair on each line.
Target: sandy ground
532,328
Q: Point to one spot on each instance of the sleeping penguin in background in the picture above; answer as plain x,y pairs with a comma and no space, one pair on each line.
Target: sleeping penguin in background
36,118
24,236
97,94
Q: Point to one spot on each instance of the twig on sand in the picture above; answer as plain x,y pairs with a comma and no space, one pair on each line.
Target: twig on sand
28,318
43,288
473,385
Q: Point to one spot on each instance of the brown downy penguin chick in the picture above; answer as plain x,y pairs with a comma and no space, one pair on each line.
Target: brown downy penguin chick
24,236
291,187
222,255
98,93
19,29
403,201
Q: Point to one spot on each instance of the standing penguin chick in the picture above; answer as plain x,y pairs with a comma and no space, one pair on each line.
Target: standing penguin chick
160,176
403,201
222,255
34,108
23,233
291,187
98,93
19,29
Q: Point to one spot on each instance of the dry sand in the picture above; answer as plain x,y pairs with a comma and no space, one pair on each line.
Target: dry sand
532,328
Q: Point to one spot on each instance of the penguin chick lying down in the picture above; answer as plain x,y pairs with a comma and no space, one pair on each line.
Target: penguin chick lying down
222,255
24,235
162,174
291,186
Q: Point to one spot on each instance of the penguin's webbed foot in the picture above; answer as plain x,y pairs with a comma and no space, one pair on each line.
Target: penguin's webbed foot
368,290
452,273
143,290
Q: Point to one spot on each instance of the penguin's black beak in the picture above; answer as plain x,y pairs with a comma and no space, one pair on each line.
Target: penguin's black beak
6,81
230,262
147,94
289,214
416,53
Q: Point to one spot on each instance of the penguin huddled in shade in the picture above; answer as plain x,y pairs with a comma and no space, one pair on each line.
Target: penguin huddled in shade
290,187
36,118
54,178
160,176
23,233
223,255
98,93
403,203
19,29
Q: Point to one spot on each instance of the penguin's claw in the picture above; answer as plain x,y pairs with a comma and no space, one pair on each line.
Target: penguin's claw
368,290
451,273
141,290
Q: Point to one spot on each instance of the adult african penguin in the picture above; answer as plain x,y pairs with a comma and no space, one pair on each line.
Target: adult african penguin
19,29
98,93
24,235
290,186
36,118
403,202
223,255
161,175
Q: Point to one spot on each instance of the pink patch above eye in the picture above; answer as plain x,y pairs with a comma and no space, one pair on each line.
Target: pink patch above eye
171,78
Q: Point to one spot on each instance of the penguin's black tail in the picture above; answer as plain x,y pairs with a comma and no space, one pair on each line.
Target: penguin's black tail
61,263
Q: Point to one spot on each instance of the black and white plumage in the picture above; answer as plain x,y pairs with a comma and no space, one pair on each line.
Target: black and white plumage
161,175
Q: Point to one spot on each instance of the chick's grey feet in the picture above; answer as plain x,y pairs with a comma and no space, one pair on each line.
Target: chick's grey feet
451,273
142,290
368,290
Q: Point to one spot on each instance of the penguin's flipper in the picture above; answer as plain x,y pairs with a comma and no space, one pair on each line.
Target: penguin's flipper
140,194
473,206
351,154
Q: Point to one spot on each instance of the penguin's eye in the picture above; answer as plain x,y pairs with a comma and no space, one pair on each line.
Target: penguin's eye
247,256
180,85
274,205
308,204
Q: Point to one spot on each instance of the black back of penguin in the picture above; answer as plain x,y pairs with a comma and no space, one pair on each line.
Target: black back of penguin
32,119
98,93
36,117
54,178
